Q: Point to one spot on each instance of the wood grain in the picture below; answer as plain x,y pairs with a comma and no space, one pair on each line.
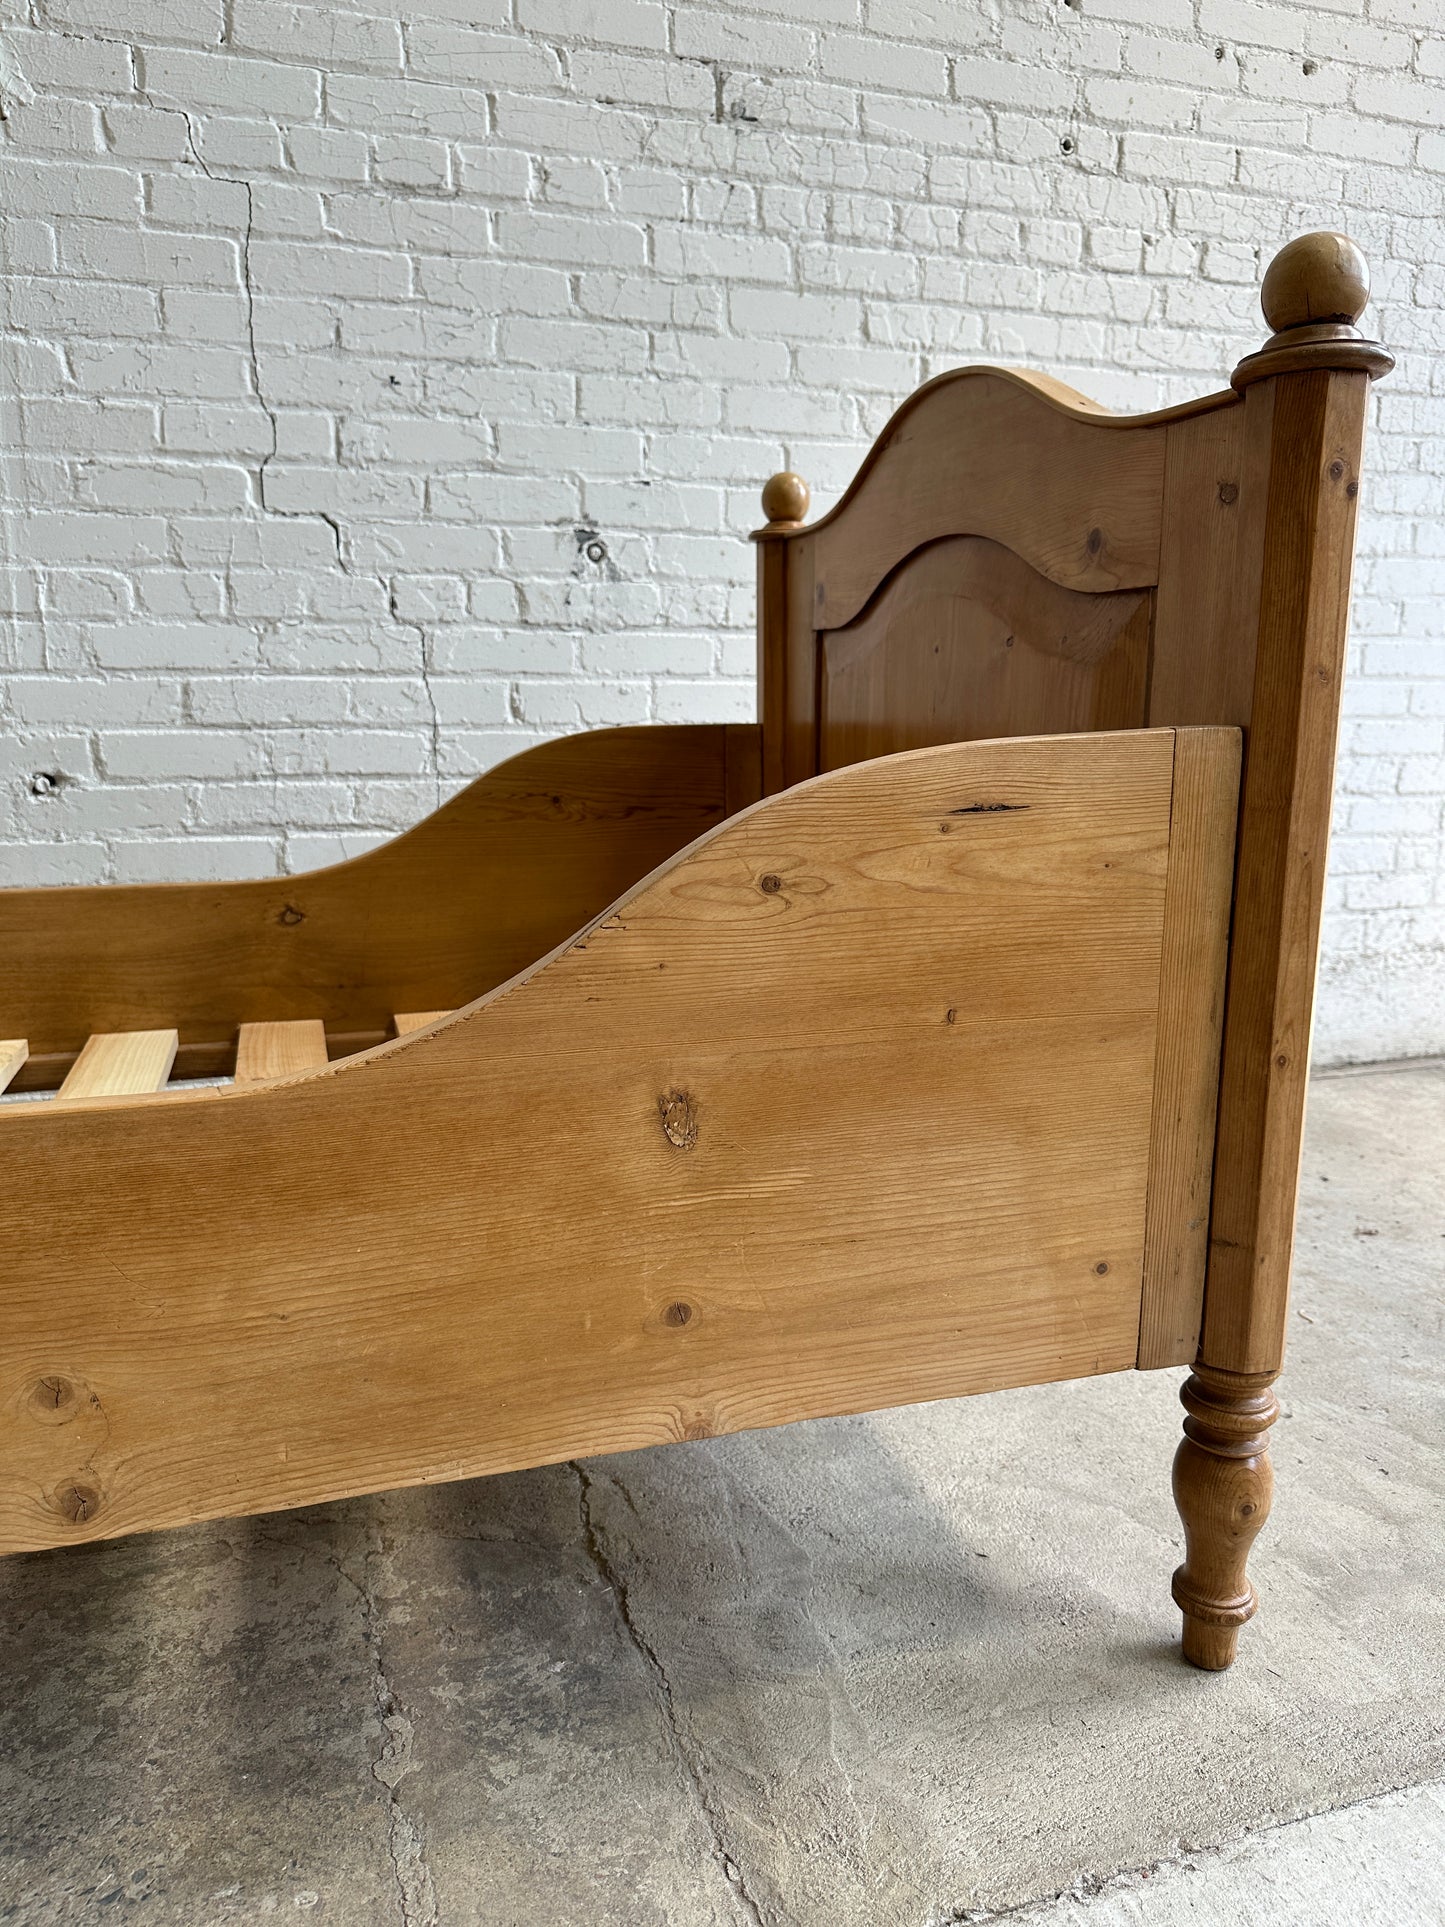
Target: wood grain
1076,494
406,1021
279,1050
1216,482
472,895
966,641
120,1064
848,1105
1318,427
1223,1486
13,1053
1186,1067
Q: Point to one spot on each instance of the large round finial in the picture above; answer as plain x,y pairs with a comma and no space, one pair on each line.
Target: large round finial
1314,292
1319,277
785,497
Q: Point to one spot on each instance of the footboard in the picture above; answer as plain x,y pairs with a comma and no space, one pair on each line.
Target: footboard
871,1095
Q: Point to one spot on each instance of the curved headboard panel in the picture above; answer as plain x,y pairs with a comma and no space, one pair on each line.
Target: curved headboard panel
1005,563
966,641
1075,491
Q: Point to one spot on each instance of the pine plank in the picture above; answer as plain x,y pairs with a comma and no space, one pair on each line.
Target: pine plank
13,1053
279,1050
122,1063
410,1020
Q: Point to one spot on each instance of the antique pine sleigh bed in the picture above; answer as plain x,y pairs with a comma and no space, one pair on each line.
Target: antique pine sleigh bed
670,1081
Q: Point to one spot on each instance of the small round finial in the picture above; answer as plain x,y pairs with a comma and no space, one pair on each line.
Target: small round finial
785,497
1317,278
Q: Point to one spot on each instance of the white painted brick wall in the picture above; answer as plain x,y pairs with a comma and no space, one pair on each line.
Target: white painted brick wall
385,390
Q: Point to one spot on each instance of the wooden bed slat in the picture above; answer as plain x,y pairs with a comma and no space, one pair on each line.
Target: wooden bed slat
121,1063
13,1053
279,1050
409,1020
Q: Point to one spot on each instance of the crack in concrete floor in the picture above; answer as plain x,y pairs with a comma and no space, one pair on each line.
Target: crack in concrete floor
690,1767
406,1843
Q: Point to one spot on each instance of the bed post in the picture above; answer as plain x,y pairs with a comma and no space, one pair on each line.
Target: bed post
1319,368
785,503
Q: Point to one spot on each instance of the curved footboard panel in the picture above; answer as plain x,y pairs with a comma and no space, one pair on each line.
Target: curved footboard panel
848,1105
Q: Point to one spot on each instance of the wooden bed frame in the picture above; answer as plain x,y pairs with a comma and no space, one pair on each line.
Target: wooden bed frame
672,1081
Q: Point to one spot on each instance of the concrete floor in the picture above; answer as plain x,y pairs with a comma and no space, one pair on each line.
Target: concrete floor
918,1668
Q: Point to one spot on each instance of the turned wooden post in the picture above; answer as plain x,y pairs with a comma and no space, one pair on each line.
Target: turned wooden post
1306,392
1223,1484
789,751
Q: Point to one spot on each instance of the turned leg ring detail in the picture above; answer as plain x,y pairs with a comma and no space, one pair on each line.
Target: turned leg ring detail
1223,1484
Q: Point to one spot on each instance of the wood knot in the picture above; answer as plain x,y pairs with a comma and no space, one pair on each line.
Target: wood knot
1095,541
1337,471
679,1119
1229,493
55,1399
677,1314
697,1428
77,1501
770,884
291,916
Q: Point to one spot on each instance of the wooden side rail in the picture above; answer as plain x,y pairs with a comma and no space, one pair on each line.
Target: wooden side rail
850,1104
520,859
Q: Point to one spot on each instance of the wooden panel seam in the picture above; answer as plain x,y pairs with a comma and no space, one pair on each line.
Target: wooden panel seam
1193,959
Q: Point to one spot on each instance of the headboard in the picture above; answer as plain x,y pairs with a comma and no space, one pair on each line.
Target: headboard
1012,559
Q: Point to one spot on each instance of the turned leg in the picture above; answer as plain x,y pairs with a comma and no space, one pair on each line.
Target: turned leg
1223,1483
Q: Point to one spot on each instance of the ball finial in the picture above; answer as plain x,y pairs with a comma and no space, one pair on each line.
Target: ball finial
1317,278
785,497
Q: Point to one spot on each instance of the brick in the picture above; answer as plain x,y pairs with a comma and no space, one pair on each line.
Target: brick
792,316
568,238
1164,157
784,101
746,257
619,23
406,160
330,39
442,50
229,83
51,187
708,33
198,22
378,105
882,61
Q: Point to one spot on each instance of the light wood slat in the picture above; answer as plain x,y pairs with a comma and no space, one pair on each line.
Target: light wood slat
13,1053
121,1063
409,1020
279,1050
